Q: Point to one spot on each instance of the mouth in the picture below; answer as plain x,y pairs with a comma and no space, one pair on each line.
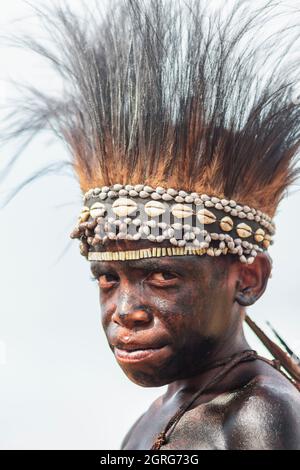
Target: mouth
141,354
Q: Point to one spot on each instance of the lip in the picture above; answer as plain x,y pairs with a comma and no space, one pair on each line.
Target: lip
131,354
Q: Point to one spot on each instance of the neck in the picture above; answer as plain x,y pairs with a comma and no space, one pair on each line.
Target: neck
222,351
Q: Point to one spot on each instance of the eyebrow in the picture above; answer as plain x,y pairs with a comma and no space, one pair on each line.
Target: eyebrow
146,264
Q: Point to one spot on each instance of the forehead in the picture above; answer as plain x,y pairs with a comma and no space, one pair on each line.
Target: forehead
189,264
174,262
143,263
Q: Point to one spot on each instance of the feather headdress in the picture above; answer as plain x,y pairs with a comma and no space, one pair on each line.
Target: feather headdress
171,94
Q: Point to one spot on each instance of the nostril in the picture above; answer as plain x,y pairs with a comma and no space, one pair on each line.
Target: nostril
133,317
141,315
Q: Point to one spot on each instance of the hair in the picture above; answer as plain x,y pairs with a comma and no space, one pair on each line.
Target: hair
174,94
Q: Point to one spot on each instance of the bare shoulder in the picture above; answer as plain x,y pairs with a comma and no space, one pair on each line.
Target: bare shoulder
135,428
129,433
265,414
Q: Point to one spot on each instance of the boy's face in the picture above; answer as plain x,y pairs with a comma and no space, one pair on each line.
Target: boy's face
164,316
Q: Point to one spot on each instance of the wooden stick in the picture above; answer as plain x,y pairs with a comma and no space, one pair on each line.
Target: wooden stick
286,362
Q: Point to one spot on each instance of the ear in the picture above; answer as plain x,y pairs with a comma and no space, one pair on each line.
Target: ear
253,279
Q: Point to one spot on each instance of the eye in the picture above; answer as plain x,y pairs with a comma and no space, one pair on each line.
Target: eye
107,280
161,278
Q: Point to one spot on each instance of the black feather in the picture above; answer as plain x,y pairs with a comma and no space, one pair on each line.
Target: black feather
172,93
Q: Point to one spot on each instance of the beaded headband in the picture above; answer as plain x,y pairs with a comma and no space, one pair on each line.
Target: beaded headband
193,223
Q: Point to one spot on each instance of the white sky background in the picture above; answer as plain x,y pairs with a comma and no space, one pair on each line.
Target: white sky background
60,386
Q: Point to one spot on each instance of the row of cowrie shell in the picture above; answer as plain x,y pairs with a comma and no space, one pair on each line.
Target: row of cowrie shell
235,246
190,232
169,233
169,230
124,207
169,194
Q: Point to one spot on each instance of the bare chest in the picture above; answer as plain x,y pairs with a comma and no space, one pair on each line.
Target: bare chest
199,428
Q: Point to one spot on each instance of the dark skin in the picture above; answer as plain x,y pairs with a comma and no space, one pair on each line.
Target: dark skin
189,310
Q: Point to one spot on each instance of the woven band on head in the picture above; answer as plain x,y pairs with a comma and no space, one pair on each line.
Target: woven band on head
193,223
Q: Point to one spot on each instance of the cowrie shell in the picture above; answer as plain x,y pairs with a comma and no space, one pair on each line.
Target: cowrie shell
224,202
124,206
215,200
226,224
167,197
172,191
181,211
84,214
160,190
155,196
205,216
137,222
177,226
97,210
259,235
154,208
117,186
243,230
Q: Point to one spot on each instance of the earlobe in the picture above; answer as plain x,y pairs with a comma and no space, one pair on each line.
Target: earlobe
252,280
246,297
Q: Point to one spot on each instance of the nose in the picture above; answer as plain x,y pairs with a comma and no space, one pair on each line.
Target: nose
129,316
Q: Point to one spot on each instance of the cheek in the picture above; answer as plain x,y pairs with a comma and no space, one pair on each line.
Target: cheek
107,308
204,308
217,311
179,310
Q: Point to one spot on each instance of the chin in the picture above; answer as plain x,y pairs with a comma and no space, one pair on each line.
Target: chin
144,380
156,377
148,368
